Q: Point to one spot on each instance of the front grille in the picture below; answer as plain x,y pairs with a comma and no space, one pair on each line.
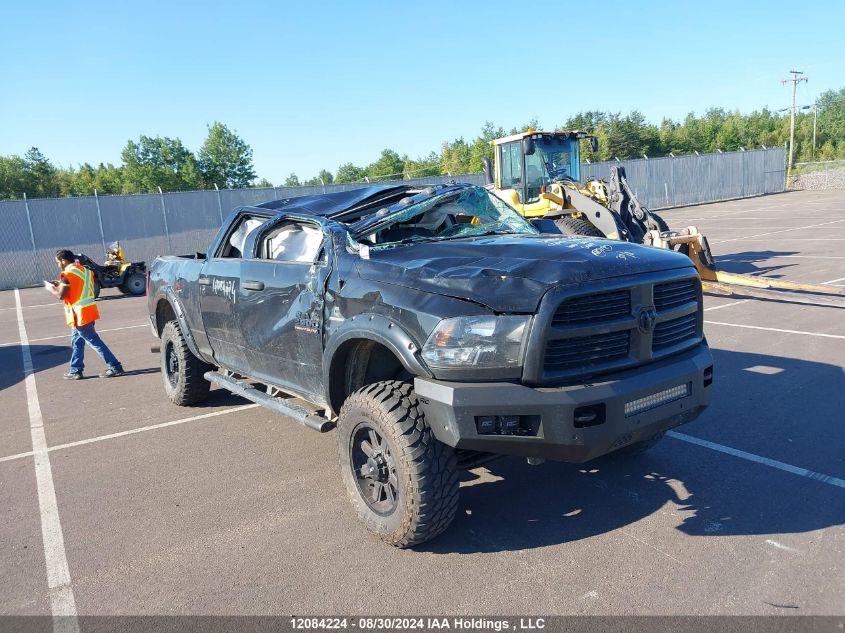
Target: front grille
676,331
588,335
594,308
584,353
674,294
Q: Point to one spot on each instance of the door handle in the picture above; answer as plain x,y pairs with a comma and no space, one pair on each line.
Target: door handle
204,281
253,285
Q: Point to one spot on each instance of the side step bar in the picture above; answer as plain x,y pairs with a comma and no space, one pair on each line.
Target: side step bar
297,412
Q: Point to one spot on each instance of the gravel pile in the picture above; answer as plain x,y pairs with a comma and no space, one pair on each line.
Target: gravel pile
829,179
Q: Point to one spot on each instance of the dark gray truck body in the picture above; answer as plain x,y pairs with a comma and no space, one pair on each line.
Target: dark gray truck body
615,353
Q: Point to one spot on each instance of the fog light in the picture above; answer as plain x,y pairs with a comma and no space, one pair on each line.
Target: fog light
485,424
657,399
508,423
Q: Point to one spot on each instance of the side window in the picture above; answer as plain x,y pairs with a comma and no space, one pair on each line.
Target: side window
233,247
535,175
293,242
511,161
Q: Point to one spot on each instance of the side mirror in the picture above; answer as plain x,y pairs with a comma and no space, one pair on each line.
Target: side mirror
527,146
594,144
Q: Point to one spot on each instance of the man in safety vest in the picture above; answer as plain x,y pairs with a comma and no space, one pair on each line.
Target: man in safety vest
75,288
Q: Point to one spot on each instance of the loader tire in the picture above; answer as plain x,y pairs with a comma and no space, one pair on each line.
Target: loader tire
402,481
183,373
577,226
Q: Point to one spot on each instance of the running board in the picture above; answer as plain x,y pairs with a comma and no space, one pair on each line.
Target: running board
285,406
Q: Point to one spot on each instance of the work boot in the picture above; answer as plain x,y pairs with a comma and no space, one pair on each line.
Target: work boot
112,372
73,375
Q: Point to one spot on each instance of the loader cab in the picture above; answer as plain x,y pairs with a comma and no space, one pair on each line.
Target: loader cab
527,163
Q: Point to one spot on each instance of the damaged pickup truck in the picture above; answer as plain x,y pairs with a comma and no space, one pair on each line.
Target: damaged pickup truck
435,328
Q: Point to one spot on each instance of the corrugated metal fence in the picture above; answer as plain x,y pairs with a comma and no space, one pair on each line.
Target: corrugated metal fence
149,225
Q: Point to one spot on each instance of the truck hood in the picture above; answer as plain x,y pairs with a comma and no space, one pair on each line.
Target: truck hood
510,274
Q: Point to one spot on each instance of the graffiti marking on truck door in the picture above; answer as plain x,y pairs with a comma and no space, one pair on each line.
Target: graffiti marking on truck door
225,287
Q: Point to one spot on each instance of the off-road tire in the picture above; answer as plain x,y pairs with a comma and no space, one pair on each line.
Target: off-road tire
637,448
576,226
183,382
425,469
135,284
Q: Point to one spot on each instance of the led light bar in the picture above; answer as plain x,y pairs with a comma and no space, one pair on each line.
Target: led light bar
657,399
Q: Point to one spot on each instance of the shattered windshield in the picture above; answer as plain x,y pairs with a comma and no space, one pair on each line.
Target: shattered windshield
466,212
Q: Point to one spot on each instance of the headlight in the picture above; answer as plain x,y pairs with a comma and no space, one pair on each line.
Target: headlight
485,342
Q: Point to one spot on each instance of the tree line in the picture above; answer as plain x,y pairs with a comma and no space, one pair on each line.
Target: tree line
225,160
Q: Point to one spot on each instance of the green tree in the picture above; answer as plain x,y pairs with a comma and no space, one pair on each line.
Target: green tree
225,159
41,180
263,184
421,167
389,166
348,172
13,177
292,181
159,161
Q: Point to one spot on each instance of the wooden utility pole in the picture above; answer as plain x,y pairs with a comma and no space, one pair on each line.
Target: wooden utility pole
797,77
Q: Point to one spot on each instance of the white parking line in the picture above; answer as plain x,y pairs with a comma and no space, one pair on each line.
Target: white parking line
797,228
62,601
774,329
53,338
142,429
833,282
38,305
727,305
772,463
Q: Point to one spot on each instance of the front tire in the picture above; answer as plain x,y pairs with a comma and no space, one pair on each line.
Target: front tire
183,373
401,480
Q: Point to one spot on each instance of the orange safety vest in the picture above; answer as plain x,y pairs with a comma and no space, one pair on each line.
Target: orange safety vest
80,308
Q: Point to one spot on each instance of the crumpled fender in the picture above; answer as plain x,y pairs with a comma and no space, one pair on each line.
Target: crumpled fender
379,329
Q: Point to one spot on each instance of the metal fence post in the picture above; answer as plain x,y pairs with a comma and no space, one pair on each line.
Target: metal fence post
31,235
100,218
219,202
164,215
672,178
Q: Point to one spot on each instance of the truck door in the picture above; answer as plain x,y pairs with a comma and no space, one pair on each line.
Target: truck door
221,291
281,308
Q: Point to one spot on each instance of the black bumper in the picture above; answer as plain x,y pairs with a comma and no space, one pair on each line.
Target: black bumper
547,415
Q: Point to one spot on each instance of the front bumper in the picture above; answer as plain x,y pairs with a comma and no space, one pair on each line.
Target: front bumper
549,426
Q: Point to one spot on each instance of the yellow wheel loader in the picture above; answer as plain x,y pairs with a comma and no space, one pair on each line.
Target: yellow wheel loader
539,174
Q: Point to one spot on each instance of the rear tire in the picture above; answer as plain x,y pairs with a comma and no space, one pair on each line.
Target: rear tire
577,226
401,480
135,284
183,373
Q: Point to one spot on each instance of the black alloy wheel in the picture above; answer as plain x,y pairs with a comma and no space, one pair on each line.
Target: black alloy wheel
375,469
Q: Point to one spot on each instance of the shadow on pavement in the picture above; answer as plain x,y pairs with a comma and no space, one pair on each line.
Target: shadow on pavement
753,262
509,505
43,357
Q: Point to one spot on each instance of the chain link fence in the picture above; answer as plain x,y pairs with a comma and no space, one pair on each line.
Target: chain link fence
148,225
819,175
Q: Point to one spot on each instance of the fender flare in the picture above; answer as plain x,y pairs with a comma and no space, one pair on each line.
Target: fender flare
379,329
170,297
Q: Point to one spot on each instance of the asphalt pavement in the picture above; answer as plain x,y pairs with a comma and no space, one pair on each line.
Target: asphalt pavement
226,508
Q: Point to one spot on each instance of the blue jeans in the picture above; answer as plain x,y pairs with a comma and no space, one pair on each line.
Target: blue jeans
87,334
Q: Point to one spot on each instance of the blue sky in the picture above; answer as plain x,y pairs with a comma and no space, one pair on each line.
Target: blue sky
311,85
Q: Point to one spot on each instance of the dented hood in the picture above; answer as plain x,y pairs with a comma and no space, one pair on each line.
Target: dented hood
511,273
